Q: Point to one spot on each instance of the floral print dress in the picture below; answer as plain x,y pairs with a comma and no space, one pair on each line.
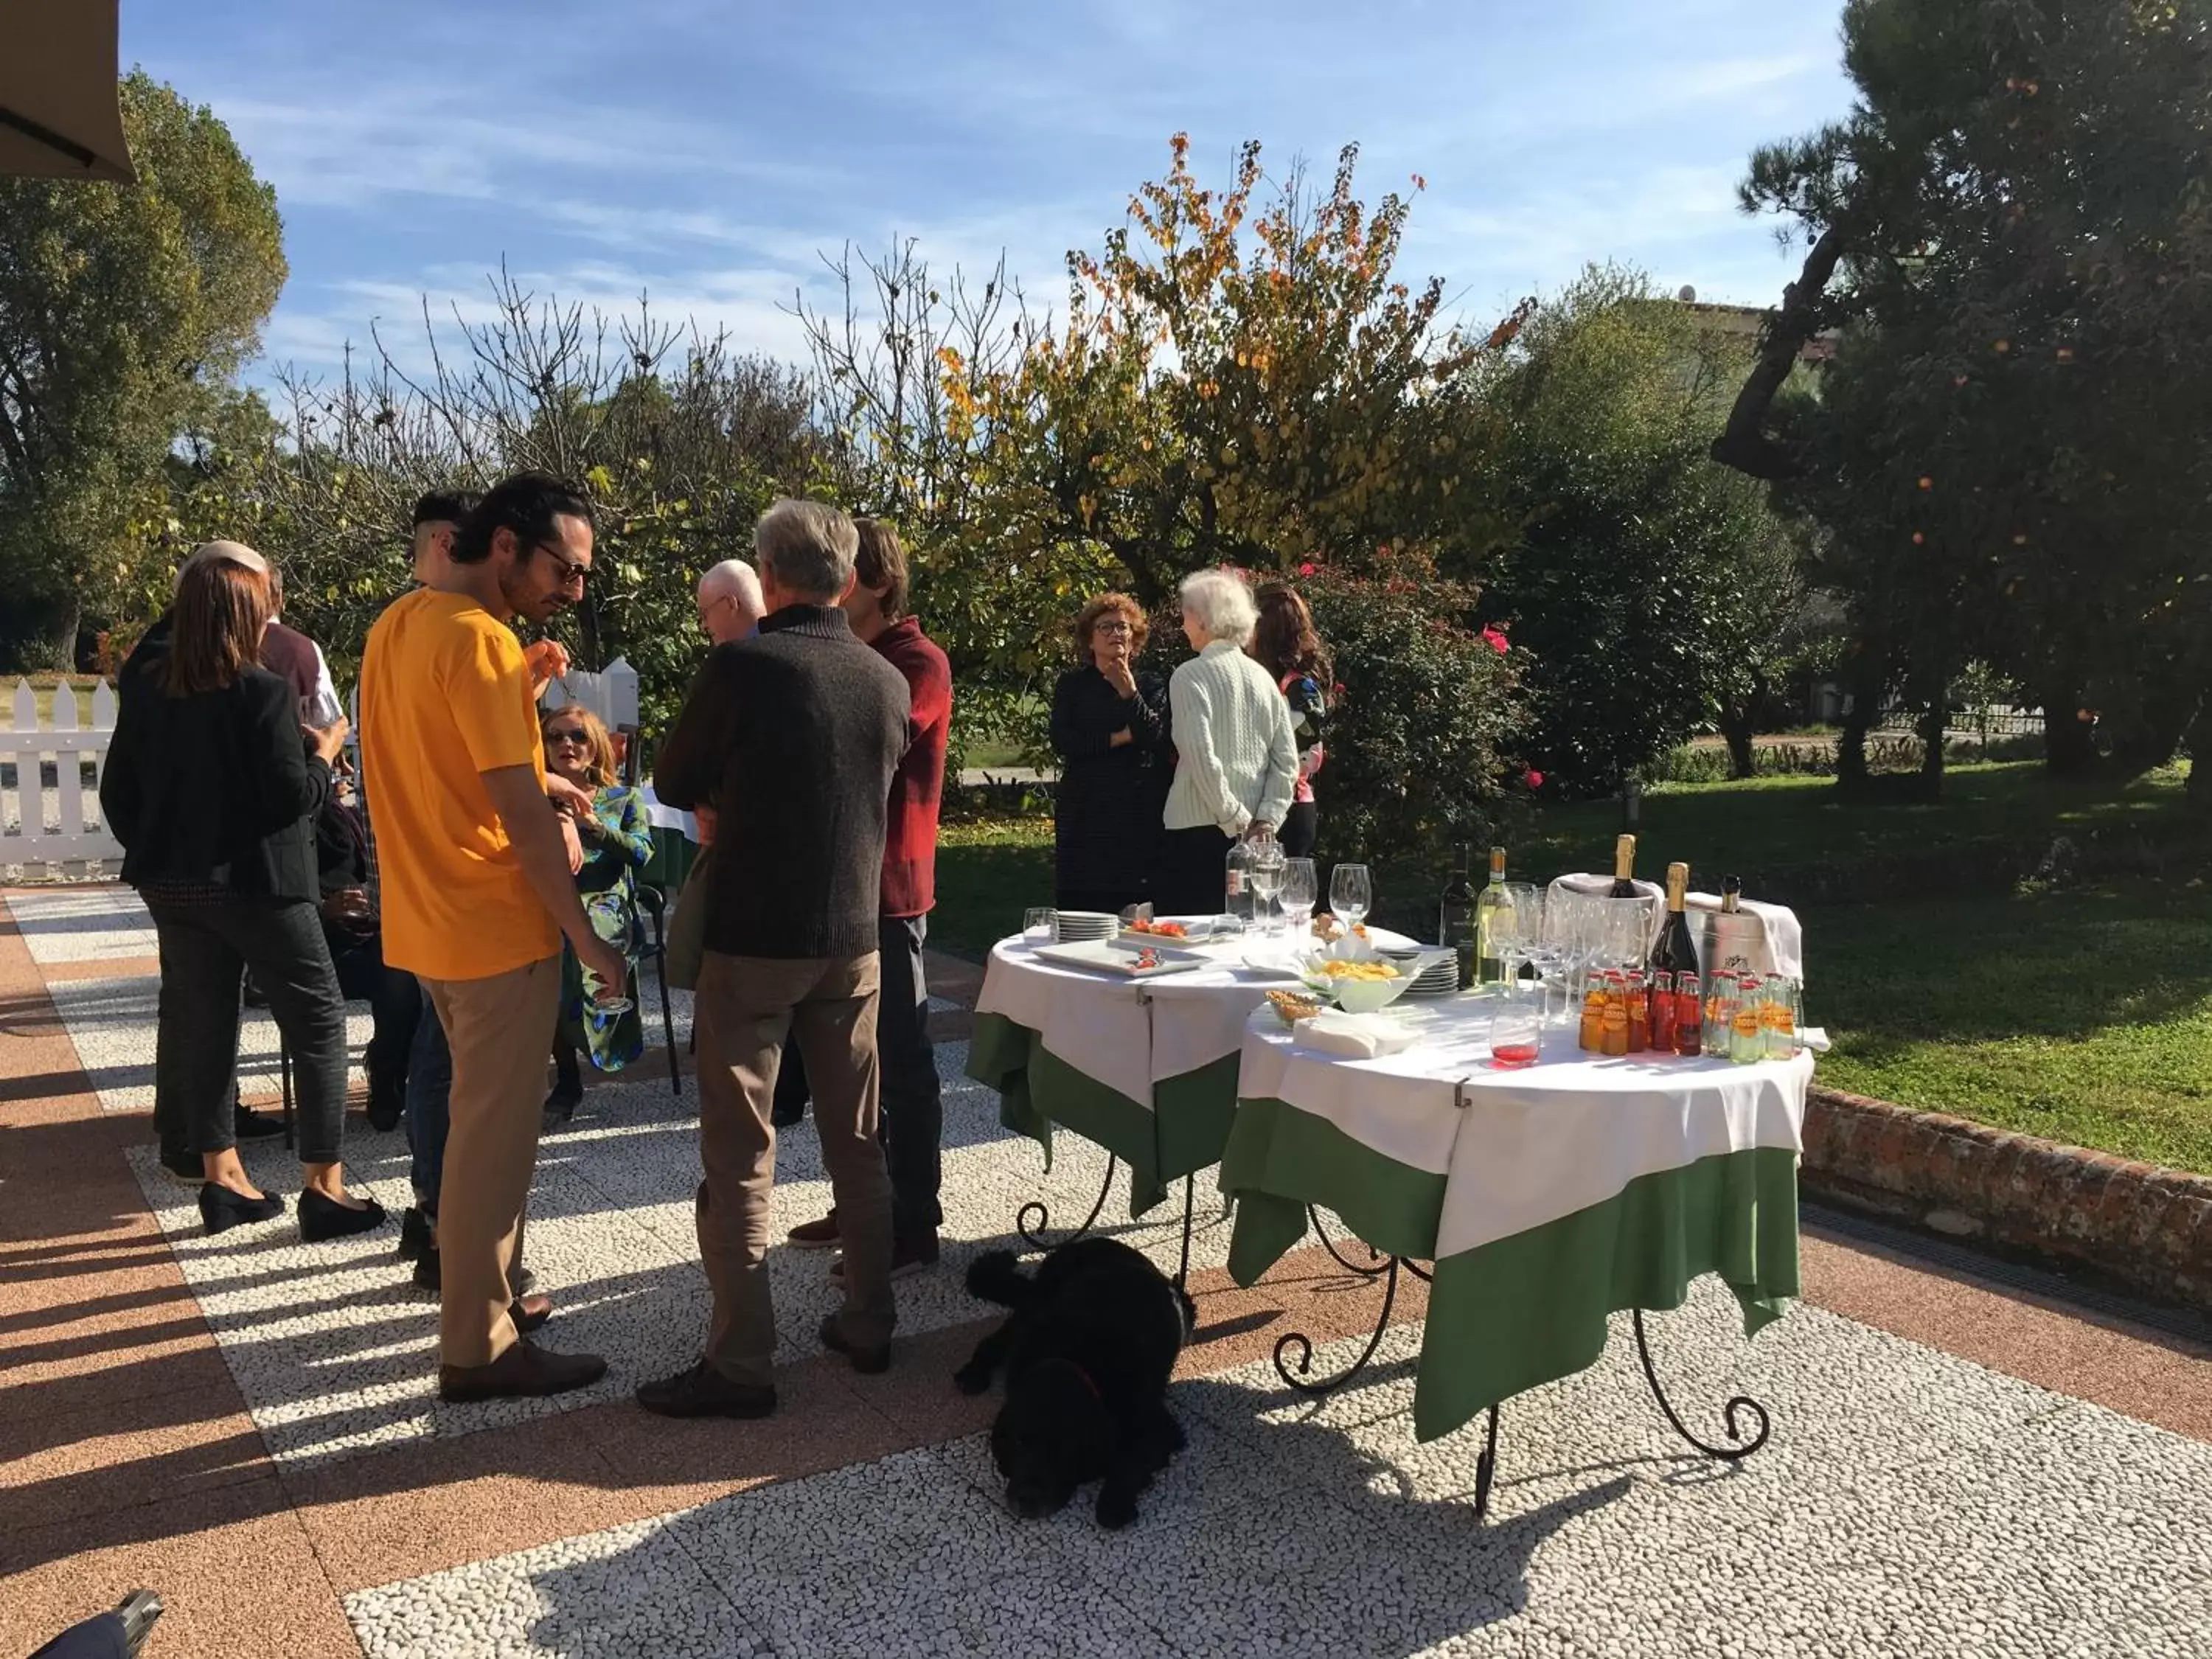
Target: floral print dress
608,886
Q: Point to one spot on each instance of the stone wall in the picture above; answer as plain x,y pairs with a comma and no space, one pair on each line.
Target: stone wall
2137,1226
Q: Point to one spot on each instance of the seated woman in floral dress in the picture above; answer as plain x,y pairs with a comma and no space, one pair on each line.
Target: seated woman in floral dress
618,841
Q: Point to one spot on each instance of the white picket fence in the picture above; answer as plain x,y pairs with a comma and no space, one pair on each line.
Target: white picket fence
57,822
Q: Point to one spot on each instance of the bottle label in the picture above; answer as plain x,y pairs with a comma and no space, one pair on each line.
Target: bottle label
1236,883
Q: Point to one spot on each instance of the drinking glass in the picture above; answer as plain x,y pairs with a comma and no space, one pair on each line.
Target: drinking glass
1266,878
1517,1036
1040,924
1350,893
1301,886
1516,929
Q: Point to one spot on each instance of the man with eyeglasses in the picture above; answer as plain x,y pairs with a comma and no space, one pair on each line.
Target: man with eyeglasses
476,893
730,603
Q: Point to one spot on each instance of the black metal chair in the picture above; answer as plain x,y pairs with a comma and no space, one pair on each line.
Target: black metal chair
655,902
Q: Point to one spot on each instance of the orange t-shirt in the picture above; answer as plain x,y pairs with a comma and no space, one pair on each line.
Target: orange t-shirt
445,697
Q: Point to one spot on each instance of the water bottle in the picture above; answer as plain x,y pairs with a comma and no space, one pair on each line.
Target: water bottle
1237,883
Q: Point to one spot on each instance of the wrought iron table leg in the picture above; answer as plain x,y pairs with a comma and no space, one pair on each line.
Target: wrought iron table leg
1183,1268
1032,1230
1736,1403
1486,1469
1381,1262
1303,1344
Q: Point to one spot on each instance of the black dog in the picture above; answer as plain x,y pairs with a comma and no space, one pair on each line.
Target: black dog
1088,1352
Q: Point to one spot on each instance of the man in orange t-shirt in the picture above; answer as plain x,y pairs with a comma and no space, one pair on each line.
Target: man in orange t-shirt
477,892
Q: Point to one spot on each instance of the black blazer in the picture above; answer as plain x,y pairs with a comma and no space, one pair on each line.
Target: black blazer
218,788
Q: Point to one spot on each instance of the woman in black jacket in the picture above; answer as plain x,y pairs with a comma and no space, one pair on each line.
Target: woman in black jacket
1110,725
213,791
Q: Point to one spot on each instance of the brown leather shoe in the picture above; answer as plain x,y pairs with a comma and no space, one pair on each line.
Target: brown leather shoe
815,1235
869,1362
529,1312
525,1371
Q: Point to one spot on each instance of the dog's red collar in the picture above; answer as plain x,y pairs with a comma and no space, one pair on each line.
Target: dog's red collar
1082,1376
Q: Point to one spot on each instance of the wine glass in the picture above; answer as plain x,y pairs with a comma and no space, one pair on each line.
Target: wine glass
1267,877
1300,887
1351,891
1517,927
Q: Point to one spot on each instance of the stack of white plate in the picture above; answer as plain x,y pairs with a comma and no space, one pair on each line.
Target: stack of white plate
1440,980
1080,927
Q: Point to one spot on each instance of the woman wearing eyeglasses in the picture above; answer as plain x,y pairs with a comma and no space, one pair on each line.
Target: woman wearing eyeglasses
1109,726
617,838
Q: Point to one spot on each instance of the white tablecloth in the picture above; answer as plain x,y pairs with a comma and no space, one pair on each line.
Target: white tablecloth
1528,1146
667,817
1099,1024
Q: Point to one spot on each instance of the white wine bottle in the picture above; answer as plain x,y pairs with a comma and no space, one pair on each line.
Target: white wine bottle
1489,907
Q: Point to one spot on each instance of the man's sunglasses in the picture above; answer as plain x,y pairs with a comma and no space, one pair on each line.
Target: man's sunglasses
571,570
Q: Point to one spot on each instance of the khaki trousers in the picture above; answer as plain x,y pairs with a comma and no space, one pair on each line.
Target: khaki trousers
501,1031
746,1007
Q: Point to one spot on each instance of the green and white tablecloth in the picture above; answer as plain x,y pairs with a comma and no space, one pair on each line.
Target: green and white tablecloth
1147,1070
1547,1198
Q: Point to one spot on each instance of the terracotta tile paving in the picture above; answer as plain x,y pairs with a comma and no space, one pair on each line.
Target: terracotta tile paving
129,1454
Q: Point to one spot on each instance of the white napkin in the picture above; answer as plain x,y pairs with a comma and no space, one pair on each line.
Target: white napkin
1785,938
1814,1037
1361,1037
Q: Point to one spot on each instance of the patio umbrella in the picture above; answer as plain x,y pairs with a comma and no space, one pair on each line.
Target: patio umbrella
58,115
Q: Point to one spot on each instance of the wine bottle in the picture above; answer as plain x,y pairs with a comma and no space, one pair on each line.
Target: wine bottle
1623,868
1455,915
1490,967
1676,952
1731,894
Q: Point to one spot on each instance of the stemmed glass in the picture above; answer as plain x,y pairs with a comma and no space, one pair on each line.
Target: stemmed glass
1300,887
1516,929
1267,877
1350,893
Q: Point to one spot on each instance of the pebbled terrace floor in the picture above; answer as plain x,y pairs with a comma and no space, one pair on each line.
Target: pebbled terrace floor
1960,1465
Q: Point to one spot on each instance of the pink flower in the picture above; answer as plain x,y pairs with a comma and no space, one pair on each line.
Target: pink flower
1534,780
1496,641
1306,569
1337,691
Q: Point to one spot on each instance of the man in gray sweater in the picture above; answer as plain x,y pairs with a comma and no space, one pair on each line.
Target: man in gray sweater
789,914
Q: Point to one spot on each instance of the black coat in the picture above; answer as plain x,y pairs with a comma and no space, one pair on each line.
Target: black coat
1110,802
219,788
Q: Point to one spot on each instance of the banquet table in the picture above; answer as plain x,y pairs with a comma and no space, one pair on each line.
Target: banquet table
1146,1069
675,842
1547,1198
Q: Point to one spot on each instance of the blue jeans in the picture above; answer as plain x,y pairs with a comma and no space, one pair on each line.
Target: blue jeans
429,1081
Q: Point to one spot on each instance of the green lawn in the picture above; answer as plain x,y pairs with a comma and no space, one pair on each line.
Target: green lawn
2084,1015
1768,822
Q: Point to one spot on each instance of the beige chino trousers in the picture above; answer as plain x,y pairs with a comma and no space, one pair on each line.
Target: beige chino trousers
745,1007
501,1032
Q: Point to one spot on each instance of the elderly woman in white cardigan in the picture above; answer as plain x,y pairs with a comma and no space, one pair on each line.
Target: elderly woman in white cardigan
1237,764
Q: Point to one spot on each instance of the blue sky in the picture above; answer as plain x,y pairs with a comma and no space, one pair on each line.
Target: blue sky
705,152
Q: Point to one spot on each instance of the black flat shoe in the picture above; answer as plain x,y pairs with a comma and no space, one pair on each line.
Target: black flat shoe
322,1219
246,1124
414,1235
222,1209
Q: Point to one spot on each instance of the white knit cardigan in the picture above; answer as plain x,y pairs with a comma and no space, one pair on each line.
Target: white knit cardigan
1235,760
